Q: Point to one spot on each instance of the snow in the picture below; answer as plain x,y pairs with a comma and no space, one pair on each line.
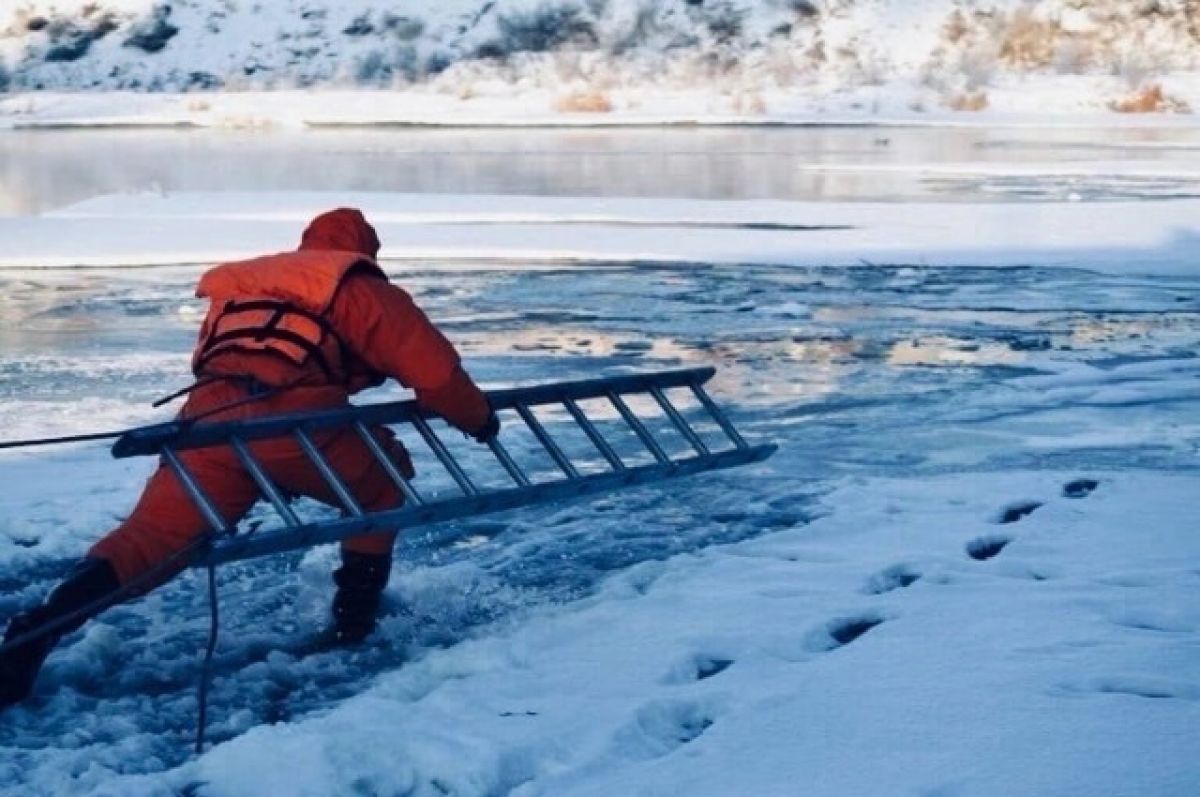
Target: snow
974,669
874,610
586,63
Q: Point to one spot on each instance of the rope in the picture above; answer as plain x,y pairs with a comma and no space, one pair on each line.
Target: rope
258,392
51,441
206,667
131,588
127,590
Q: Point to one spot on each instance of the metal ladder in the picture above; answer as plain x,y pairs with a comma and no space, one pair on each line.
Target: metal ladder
715,447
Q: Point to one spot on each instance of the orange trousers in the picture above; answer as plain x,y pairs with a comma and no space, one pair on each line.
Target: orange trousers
166,519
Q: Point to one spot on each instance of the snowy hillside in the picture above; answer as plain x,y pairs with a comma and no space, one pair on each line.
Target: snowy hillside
601,58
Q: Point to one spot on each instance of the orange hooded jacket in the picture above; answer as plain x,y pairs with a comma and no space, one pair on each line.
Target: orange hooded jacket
323,322
325,317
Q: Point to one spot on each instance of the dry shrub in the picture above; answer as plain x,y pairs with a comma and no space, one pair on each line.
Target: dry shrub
1149,99
749,104
589,101
1028,42
956,27
968,101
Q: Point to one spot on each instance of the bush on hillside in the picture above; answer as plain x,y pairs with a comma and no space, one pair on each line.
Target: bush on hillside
70,40
545,28
152,35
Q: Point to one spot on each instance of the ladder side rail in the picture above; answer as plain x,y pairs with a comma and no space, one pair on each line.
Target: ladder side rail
444,456
589,428
719,416
264,482
184,435
411,495
409,518
552,448
509,464
557,393
196,493
327,473
679,421
639,428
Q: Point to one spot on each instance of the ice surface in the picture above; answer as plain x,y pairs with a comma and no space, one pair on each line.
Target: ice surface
153,229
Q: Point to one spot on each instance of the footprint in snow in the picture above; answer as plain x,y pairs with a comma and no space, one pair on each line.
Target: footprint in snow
842,631
663,726
983,548
1080,488
891,578
698,667
1014,512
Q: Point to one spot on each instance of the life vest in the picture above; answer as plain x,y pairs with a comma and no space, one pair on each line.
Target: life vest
273,312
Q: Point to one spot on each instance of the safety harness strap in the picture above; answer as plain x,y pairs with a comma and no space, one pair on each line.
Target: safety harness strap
289,332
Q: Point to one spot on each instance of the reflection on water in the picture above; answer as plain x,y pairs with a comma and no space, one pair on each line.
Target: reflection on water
40,170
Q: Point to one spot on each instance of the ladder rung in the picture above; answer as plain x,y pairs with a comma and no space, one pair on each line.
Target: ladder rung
679,421
594,435
335,483
443,454
389,467
192,488
717,415
547,441
507,461
639,428
264,482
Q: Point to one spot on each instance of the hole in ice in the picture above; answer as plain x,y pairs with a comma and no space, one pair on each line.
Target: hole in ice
1080,488
1014,512
985,548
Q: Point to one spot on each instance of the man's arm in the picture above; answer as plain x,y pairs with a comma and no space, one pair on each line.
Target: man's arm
387,330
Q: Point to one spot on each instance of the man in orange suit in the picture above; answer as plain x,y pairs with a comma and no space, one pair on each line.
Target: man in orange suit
284,333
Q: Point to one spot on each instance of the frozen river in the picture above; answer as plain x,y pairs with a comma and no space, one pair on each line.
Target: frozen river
876,371
41,170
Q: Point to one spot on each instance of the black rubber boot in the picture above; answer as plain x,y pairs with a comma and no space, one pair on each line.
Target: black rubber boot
80,596
360,583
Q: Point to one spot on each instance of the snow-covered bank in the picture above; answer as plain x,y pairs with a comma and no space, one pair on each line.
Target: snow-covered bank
576,62
1040,105
139,230
1065,665
873,651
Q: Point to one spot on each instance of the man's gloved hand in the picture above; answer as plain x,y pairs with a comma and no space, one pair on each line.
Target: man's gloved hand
490,428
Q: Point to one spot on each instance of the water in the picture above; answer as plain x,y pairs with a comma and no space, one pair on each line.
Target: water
42,170
896,370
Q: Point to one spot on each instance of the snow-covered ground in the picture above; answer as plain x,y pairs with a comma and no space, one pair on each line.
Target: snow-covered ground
970,570
595,62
